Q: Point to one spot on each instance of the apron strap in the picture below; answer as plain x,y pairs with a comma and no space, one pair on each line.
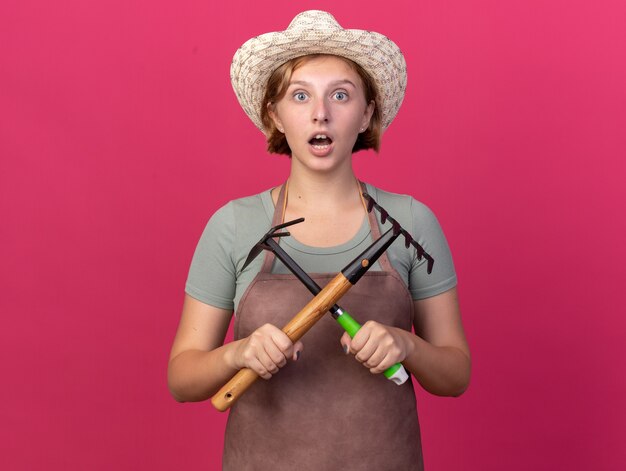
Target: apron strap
383,260
268,261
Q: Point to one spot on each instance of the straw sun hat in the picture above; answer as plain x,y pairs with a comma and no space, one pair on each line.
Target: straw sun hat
317,32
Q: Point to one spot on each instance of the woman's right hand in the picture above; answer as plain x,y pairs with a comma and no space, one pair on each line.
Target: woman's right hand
265,351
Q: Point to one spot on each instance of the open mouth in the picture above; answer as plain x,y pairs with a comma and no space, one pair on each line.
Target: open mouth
320,141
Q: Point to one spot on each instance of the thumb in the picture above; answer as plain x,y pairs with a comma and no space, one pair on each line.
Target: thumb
345,342
297,350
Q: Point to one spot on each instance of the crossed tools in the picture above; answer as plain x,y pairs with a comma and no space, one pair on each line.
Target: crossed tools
325,299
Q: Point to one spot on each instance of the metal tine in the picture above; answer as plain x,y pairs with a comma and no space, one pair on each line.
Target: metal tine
281,234
272,232
287,224
383,214
397,229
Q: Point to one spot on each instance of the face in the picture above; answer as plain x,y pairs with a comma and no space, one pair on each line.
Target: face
322,113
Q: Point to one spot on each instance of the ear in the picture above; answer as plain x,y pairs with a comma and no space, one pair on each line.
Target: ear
367,116
271,111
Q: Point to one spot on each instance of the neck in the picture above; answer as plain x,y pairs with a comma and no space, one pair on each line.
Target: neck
322,189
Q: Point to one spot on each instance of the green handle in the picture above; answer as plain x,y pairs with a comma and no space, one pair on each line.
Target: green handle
352,327
349,324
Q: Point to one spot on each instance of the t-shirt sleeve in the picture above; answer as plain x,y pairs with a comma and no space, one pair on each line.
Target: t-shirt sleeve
212,274
428,233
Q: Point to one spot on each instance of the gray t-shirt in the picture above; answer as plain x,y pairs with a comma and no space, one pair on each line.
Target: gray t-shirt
216,278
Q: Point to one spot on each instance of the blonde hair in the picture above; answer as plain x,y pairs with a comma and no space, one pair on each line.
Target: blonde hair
277,88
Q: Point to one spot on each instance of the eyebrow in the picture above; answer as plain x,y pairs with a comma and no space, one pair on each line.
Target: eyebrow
332,84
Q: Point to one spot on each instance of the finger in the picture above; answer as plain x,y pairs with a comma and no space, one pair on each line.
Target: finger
297,350
345,341
267,362
360,339
275,354
376,357
269,332
259,369
385,363
282,341
366,352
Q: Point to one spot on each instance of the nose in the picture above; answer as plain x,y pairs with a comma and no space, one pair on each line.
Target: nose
321,113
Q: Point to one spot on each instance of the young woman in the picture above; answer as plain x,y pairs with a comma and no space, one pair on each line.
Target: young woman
320,93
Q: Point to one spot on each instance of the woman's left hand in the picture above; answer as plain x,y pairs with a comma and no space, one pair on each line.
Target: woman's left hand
378,346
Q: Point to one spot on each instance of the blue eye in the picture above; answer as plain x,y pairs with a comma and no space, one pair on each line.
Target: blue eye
300,96
341,96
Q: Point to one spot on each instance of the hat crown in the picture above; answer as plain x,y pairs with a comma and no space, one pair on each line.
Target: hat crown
314,19
317,32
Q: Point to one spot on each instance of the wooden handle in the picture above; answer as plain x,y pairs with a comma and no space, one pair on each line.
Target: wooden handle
317,307
232,390
295,329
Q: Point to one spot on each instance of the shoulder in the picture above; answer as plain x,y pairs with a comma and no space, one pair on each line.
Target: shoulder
252,215
238,225
248,210
255,202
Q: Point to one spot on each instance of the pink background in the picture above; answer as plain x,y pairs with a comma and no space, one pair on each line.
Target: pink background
120,135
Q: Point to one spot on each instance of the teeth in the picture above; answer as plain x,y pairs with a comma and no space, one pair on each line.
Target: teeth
320,136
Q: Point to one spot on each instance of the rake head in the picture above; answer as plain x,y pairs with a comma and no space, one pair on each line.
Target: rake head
397,229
